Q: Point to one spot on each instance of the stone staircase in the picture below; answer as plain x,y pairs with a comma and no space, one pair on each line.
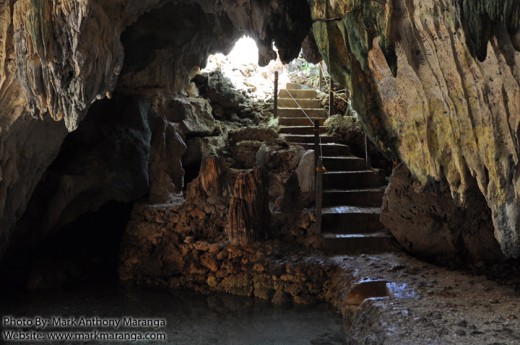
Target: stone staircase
352,193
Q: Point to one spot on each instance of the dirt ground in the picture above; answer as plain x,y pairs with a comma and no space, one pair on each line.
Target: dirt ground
433,305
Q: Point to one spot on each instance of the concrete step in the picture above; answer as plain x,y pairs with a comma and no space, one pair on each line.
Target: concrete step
298,94
304,103
330,149
307,129
372,197
344,163
295,112
298,121
352,179
293,86
307,138
351,219
337,244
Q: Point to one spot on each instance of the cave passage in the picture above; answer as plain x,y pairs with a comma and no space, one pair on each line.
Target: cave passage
82,253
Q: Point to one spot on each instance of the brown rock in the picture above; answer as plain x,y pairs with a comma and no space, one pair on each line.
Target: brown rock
207,260
280,298
212,280
213,176
201,246
249,215
430,223
258,268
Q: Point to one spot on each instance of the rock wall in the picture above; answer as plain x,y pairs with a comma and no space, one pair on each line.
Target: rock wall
437,85
429,223
207,242
57,58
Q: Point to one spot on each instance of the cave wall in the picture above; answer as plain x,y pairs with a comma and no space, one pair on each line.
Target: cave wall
57,58
437,85
429,223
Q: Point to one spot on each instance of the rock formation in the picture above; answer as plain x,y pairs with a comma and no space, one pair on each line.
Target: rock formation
437,84
430,224
57,58
249,215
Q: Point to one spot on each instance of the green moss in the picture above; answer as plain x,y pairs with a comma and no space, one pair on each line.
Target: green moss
40,25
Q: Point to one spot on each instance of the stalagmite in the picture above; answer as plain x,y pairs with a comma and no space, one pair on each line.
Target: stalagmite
249,209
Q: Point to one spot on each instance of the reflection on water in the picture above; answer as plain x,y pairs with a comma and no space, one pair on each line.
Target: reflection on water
190,318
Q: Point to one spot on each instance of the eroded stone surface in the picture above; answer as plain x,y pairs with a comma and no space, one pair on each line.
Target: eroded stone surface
249,215
429,223
448,110
57,58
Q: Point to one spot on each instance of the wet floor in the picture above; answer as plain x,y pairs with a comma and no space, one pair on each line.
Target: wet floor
183,318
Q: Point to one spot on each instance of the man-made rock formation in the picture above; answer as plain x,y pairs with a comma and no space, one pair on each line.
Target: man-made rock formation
437,83
249,214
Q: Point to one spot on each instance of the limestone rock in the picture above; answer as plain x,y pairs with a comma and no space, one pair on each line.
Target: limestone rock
257,134
165,168
221,91
439,89
105,159
277,157
214,177
57,58
244,153
194,115
429,223
199,148
306,172
249,215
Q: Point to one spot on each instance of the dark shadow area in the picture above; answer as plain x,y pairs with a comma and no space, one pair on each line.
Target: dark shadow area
84,252
191,171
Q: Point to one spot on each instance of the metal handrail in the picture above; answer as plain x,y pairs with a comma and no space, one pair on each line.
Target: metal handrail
309,118
318,153
329,88
337,93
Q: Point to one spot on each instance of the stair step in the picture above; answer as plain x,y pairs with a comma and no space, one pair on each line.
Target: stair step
306,129
334,244
307,138
342,163
352,179
330,149
346,219
298,94
298,121
296,112
294,86
304,103
355,197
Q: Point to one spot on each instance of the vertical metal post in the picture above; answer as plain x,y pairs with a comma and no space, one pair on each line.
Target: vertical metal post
320,66
320,170
275,110
332,111
316,142
367,156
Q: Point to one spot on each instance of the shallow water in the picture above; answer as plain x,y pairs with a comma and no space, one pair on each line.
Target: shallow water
190,319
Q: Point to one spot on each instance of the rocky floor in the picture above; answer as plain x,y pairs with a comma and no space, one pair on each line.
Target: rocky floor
432,305
389,298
